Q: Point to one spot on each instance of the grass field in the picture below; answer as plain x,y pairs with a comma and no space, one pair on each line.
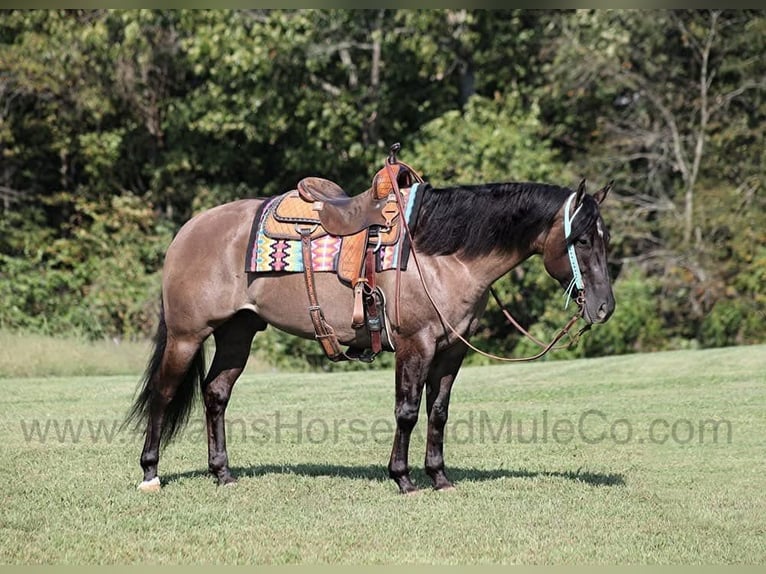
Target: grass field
636,459
26,354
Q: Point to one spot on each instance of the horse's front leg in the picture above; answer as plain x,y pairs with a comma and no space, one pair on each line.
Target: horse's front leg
440,378
413,360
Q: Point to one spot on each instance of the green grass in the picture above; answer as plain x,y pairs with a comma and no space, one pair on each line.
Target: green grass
29,355
313,498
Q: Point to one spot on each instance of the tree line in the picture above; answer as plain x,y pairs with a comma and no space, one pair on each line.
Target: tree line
116,126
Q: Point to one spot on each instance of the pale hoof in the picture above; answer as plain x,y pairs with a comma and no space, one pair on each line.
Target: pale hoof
416,492
152,485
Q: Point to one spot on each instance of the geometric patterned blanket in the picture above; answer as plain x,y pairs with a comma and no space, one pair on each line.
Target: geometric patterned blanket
266,254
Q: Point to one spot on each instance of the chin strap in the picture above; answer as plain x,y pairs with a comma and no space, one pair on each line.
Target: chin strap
577,282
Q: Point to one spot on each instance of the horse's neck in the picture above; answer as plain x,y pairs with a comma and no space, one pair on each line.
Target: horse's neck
458,286
471,277
485,270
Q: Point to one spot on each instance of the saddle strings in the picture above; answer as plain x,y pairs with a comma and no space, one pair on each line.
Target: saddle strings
403,216
405,225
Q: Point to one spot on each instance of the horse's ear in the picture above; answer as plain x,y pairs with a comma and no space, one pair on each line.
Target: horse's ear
580,193
601,194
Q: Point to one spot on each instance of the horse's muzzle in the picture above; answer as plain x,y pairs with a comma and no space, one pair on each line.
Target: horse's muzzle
598,312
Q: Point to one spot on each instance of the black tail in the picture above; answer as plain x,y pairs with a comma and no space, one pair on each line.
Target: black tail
177,412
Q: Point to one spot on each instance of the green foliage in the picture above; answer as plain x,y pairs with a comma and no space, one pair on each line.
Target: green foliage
489,140
117,125
635,325
99,280
732,301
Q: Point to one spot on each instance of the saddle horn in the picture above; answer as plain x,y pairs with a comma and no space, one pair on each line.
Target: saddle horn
393,150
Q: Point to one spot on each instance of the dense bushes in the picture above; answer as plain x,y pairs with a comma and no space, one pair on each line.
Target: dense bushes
117,126
99,279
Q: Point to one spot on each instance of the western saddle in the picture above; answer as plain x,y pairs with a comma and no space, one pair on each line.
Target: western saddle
366,221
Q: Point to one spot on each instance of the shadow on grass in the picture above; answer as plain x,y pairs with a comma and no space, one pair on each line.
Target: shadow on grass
380,473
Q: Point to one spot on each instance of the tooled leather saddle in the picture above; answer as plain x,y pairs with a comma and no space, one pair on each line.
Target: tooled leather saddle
318,207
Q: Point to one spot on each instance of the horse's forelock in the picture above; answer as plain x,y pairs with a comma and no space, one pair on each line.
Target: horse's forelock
586,218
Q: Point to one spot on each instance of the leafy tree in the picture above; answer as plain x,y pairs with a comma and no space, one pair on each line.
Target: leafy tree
117,125
496,140
659,93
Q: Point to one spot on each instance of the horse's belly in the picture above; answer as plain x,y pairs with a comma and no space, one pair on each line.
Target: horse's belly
282,301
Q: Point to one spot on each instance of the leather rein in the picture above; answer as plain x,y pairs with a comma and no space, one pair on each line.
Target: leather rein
545,348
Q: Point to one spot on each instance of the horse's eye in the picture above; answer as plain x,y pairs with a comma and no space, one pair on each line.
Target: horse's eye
583,241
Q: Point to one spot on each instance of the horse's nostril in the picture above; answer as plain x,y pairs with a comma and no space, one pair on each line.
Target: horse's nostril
602,311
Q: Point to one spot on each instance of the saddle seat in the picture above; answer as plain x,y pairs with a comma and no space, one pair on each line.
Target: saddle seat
341,214
313,189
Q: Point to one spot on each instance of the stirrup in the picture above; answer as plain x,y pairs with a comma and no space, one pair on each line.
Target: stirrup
359,354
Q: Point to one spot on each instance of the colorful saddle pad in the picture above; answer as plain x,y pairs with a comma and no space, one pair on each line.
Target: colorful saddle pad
275,246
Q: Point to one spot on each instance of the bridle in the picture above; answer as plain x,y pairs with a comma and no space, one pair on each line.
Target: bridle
577,281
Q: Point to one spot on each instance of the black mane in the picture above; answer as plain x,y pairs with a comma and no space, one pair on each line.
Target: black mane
479,219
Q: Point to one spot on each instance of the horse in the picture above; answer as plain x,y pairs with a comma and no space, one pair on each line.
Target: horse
465,238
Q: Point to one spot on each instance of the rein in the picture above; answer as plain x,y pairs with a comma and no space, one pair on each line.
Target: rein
576,281
529,335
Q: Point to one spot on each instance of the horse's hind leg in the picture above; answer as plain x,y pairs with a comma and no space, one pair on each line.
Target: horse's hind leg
233,340
167,397
441,376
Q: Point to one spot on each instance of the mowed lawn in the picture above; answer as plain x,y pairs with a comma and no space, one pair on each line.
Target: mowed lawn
634,459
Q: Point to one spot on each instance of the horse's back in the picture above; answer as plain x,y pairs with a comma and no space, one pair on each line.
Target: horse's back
206,233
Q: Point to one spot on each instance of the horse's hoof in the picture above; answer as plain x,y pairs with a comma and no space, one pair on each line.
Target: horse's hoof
413,492
152,485
225,478
448,488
